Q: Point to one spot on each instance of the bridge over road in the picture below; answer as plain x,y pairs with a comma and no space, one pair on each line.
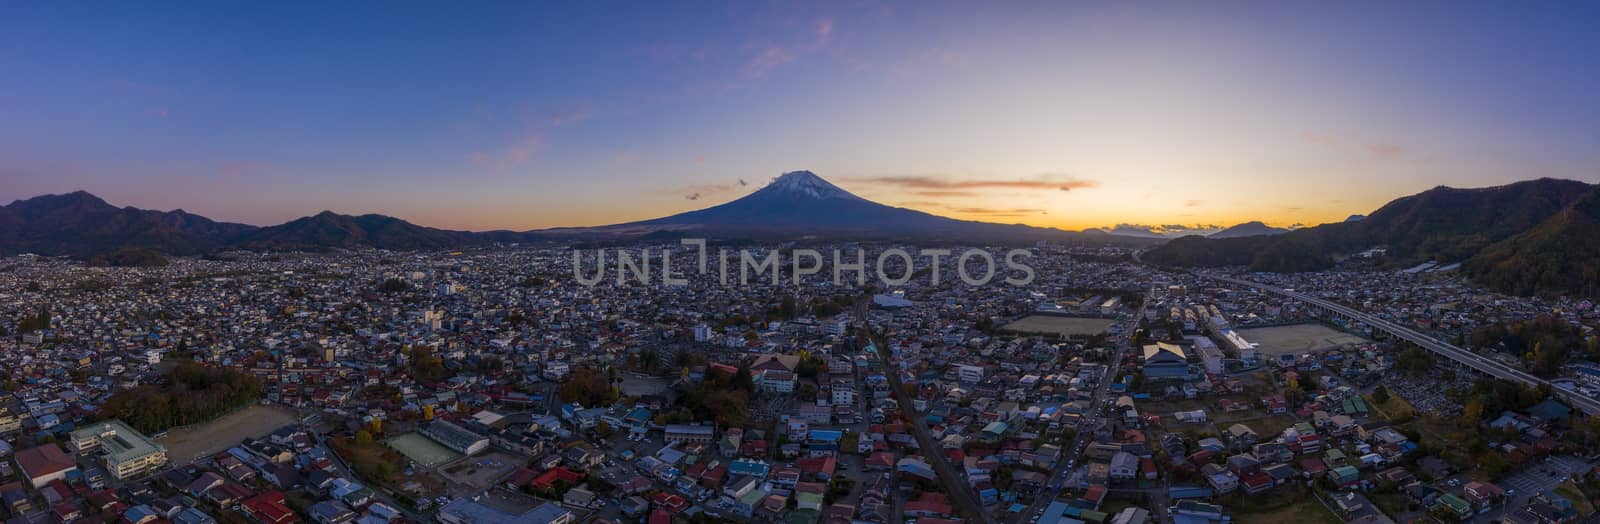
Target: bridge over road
1467,358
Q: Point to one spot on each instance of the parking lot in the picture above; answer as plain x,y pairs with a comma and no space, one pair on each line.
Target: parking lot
481,471
1542,475
1298,338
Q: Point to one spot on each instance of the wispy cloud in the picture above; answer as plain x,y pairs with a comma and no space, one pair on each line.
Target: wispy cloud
518,152
924,185
1192,203
765,60
975,210
570,116
760,58
1382,150
699,191
824,33
940,193
1387,150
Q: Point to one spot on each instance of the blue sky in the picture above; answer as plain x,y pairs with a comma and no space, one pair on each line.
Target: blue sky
519,115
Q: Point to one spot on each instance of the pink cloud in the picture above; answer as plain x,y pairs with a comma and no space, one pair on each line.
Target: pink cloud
1387,150
766,60
824,32
923,183
1379,150
514,154
570,116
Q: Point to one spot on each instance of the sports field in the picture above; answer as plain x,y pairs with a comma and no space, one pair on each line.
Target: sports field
422,450
1059,326
193,442
1299,338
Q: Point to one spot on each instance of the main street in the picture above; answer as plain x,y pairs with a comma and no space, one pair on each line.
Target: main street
1481,364
1085,430
955,484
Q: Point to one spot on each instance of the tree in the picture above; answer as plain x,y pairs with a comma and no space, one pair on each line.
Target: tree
394,285
743,379
1380,395
426,366
363,438
193,393
1414,362
586,386
809,365
1472,413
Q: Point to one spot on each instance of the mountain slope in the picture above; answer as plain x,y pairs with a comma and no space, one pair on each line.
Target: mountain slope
1450,224
1248,229
1560,254
802,204
1444,224
81,224
332,230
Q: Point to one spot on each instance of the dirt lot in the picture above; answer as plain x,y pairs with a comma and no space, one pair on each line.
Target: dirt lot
193,442
1296,339
638,385
1285,504
1306,511
1060,326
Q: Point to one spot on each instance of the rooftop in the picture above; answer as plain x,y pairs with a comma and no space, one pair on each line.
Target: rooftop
120,442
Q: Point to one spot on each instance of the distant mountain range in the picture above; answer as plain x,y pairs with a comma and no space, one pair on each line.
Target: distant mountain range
797,205
1536,236
82,225
1248,229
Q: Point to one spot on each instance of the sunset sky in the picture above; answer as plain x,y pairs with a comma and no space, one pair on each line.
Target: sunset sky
527,115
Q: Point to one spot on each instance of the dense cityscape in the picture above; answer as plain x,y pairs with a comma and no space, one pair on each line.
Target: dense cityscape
489,385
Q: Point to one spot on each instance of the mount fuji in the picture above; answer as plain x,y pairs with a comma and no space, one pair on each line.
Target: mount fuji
800,204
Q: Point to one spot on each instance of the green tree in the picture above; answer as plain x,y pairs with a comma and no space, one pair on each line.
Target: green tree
808,392
394,285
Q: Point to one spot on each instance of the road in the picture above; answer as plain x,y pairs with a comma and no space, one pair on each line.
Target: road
1072,455
1481,364
955,485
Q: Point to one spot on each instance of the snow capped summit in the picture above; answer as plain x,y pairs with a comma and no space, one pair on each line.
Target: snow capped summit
807,184
800,204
